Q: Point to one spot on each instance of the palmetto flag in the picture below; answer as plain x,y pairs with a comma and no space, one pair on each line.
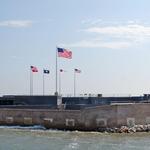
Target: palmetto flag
33,69
46,71
61,70
77,71
64,53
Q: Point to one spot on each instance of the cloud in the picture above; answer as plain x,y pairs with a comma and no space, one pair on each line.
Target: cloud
91,21
100,21
16,23
99,44
116,36
131,30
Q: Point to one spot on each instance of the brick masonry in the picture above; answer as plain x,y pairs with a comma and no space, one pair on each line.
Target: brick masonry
86,119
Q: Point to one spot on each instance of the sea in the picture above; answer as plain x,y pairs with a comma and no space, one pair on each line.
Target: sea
38,138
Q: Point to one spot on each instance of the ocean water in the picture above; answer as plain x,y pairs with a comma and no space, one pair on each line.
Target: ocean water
17,138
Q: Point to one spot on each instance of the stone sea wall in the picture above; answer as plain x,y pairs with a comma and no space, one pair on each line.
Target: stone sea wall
110,118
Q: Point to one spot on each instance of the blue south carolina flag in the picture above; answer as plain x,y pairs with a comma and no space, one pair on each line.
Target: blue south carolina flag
46,71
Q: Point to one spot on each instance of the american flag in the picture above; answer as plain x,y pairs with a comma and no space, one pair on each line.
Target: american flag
33,69
77,71
64,53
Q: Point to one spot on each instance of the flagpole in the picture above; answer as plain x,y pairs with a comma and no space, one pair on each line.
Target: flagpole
56,93
74,83
59,83
31,82
43,83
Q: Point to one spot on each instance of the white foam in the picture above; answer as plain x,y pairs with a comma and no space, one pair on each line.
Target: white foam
23,127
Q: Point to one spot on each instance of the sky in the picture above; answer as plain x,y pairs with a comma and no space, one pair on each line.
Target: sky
109,40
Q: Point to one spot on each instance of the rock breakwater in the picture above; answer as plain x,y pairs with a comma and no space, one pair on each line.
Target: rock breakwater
126,129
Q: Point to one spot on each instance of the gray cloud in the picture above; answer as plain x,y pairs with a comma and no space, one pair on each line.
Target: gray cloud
16,23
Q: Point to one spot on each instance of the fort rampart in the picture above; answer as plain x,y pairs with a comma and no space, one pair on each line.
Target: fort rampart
92,118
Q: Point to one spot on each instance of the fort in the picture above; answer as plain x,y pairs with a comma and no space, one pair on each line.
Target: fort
75,113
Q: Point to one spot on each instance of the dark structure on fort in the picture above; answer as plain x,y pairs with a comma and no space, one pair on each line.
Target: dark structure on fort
72,103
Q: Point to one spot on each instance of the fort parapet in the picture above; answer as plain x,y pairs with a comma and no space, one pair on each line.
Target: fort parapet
91,118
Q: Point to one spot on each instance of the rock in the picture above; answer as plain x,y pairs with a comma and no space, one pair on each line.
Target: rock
102,129
133,130
112,130
116,130
108,130
124,129
139,128
148,127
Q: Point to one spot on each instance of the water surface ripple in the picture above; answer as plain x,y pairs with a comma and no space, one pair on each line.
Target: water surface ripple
39,139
